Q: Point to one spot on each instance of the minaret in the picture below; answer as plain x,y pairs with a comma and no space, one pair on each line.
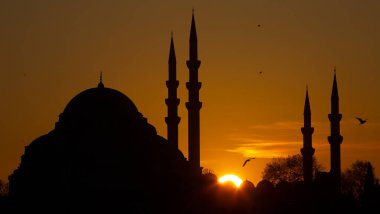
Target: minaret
307,151
172,120
335,139
193,105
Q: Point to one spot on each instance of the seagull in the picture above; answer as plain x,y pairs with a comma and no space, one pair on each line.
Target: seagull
246,161
361,120
260,72
258,25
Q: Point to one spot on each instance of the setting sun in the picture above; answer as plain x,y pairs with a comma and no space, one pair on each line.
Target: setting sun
232,178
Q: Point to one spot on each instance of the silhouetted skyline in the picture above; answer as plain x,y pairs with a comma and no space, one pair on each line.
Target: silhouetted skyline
53,50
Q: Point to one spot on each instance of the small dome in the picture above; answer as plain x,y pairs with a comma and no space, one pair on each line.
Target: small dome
265,186
247,185
99,105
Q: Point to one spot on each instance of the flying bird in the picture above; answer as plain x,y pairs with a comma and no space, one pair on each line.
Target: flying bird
258,25
361,120
246,161
260,72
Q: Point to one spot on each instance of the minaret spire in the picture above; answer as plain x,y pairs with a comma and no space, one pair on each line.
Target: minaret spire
307,151
172,57
307,110
193,40
335,96
335,139
193,105
172,120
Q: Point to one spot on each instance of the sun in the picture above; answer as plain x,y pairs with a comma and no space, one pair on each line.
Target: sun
232,178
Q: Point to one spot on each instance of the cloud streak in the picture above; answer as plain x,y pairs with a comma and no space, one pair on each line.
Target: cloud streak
272,140
267,140
285,138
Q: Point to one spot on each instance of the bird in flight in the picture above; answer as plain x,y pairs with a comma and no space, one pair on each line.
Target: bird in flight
361,120
260,72
258,25
246,161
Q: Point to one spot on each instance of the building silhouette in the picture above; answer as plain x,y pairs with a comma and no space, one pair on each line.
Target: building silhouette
335,139
101,157
307,151
331,181
172,120
193,105
104,157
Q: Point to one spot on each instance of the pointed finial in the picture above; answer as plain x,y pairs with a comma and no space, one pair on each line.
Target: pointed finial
334,94
307,87
307,102
193,49
101,85
172,58
171,34
193,11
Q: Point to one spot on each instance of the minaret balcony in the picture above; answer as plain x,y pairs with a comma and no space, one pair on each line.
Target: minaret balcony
307,130
307,151
335,139
172,83
193,64
335,117
172,102
172,120
194,105
193,86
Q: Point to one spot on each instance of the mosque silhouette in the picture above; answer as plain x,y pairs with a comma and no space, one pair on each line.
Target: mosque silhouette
101,152
104,157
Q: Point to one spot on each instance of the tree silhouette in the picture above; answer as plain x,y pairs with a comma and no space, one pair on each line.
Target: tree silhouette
4,202
3,188
287,169
354,179
369,182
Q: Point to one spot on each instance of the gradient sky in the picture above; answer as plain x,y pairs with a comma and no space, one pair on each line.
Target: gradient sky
50,50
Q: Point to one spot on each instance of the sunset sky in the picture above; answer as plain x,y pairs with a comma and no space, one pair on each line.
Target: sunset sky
50,50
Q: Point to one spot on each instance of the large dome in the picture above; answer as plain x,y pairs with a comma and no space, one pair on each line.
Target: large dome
99,106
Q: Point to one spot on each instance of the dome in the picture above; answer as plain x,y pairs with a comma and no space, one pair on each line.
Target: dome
265,187
247,185
99,106
101,138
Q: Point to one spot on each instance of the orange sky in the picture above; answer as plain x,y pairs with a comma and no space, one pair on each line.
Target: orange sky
52,50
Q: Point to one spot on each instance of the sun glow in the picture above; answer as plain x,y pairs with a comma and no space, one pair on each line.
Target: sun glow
232,178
